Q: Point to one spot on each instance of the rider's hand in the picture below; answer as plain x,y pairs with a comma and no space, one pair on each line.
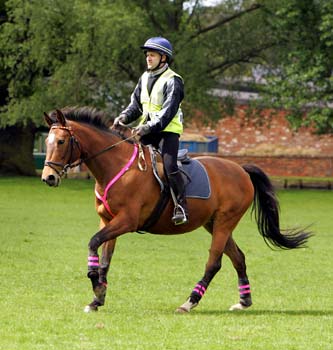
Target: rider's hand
142,130
120,120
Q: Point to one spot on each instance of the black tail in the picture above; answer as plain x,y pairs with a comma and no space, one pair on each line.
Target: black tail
266,209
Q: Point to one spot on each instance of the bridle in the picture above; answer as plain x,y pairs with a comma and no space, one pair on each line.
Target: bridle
73,142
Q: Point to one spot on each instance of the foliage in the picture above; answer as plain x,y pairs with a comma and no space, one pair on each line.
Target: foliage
45,286
300,75
61,53
64,53
57,53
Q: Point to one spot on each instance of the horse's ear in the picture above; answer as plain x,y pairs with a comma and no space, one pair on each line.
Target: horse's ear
48,119
60,117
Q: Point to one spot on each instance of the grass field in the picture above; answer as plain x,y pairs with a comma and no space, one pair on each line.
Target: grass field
44,236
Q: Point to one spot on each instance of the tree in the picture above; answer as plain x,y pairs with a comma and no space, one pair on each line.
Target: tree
299,74
50,58
3,81
15,157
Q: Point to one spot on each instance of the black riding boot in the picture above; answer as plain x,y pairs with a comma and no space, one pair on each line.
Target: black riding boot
180,214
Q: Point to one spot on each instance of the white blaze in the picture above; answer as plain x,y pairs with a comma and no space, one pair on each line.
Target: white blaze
51,139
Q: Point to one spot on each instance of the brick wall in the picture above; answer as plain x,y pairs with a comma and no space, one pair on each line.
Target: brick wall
269,142
264,134
287,166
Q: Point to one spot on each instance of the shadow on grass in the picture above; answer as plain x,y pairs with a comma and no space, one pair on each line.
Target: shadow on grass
316,313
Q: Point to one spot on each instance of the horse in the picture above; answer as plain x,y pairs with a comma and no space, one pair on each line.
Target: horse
127,194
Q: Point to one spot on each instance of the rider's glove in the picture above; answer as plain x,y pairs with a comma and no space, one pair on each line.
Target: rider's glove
121,120
142,130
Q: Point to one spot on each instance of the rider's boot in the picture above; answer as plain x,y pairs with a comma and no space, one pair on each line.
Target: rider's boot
180,214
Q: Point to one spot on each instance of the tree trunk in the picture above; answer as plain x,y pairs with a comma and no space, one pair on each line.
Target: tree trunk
16,150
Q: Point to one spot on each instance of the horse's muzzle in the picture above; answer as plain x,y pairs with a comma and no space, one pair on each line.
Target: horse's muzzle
52,180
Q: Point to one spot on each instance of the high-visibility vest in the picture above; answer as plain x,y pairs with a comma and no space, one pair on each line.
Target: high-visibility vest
153,103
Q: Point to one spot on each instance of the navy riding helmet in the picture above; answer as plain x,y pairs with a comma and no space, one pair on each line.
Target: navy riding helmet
159,44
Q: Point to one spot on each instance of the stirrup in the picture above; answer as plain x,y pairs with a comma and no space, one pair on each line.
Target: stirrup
179,215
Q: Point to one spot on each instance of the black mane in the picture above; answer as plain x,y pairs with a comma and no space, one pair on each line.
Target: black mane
88,115
91,116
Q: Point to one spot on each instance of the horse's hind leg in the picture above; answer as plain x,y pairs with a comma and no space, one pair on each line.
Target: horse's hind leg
220,235
237,258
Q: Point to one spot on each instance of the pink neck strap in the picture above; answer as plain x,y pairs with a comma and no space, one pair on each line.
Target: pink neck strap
103,198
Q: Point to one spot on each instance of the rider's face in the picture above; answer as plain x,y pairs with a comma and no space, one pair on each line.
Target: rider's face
153,59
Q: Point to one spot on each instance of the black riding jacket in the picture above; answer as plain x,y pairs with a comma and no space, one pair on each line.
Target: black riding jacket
173,93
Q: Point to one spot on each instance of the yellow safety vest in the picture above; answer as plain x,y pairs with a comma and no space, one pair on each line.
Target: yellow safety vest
153,103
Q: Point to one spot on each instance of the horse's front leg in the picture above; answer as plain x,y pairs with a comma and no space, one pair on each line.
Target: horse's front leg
97,270
237,258
99,283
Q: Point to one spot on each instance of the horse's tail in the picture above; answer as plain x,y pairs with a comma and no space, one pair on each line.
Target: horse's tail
266,209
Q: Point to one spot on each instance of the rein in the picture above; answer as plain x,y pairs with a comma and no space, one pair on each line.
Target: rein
108,148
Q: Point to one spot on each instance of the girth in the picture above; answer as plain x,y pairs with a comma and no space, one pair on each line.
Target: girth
157,211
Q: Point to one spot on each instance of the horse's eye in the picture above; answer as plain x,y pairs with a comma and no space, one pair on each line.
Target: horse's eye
61,142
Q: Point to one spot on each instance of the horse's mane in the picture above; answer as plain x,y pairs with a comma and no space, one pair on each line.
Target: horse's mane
86,114
91,116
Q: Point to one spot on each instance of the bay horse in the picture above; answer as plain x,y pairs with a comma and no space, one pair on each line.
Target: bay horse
126,195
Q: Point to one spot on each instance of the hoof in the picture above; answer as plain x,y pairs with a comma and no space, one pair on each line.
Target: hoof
90,308
186,307
238,307
182,310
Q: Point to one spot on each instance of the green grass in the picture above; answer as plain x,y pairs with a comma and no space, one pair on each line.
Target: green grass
44,237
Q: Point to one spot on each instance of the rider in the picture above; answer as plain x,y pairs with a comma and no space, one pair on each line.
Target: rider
155,106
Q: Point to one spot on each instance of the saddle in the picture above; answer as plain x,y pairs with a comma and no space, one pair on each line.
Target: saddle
196,181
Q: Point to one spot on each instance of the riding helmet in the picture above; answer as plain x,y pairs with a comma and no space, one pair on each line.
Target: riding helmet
159,44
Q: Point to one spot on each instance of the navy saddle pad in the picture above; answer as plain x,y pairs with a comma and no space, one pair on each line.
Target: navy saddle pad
197,183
